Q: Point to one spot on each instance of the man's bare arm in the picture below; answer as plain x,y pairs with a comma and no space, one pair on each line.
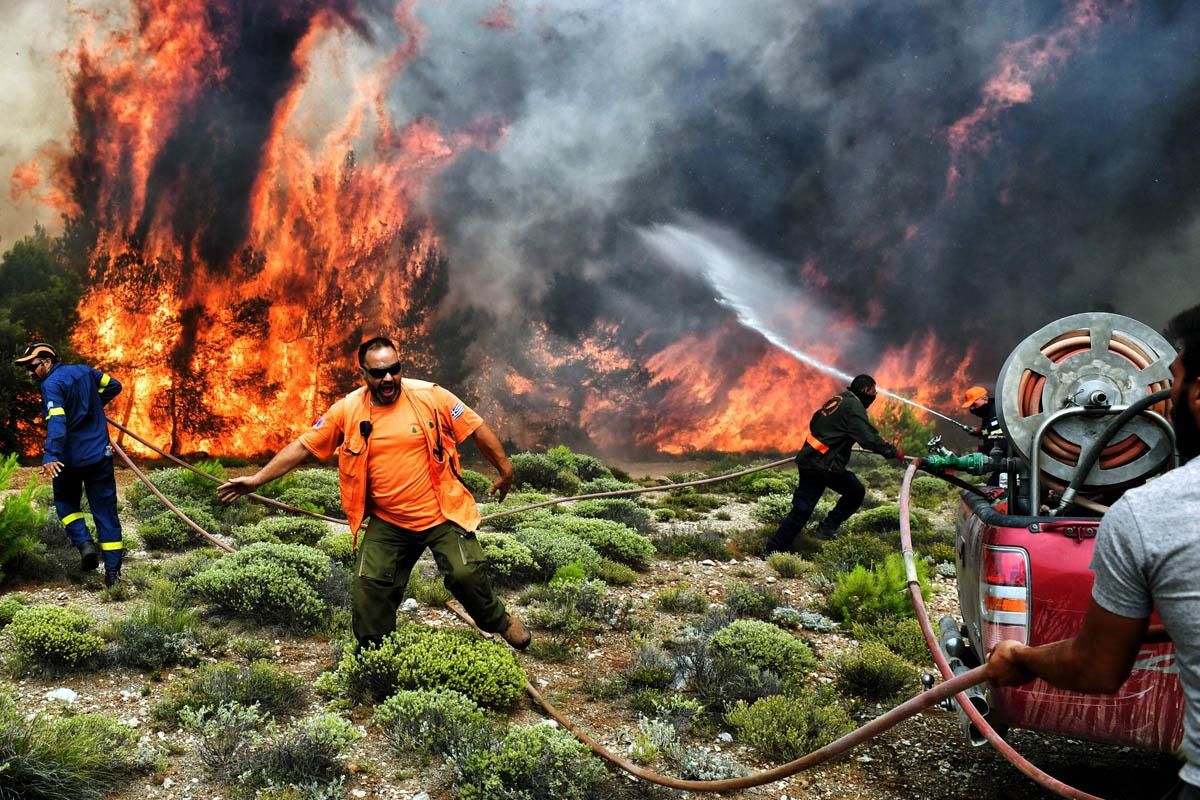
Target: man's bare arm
489,444
1097,660
284,462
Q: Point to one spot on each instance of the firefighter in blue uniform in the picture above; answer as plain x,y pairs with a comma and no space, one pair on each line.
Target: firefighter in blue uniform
78,455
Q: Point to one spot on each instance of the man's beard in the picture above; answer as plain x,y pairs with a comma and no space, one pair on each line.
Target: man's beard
1187,432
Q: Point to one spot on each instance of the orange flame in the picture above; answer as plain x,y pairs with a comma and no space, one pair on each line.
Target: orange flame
240,355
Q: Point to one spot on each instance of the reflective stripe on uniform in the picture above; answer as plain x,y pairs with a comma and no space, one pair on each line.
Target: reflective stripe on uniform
111,546
816,444
104,382
69,518
56,412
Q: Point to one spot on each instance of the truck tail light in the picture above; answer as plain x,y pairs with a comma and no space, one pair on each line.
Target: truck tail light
1004,595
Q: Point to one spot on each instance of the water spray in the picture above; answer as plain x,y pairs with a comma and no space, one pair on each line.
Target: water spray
737,275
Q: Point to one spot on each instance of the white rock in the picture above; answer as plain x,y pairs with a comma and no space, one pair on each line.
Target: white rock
865,759
64,694
725,737
421,796
708,562
167,783
358,793
409,606
771,579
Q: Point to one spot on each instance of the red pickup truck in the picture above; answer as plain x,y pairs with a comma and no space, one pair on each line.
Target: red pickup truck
1028,578
1082,402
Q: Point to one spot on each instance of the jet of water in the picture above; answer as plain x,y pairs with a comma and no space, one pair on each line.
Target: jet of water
754,289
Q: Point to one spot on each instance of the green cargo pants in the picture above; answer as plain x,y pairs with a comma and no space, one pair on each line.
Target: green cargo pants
385,558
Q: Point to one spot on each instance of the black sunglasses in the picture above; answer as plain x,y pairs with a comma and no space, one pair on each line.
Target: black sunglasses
32,366
379,372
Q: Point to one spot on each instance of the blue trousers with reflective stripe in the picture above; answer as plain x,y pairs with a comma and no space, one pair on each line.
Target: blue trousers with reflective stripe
97,480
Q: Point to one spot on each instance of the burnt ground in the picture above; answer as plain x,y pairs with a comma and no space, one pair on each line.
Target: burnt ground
925,757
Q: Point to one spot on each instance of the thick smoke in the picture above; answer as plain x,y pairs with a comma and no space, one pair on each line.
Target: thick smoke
818,132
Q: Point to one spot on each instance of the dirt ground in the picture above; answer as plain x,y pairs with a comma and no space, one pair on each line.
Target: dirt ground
925,757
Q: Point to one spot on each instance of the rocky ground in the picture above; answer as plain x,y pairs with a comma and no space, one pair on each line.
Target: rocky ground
926,757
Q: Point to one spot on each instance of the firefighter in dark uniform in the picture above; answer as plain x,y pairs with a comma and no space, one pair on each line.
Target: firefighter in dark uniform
78,454
836,427
981,404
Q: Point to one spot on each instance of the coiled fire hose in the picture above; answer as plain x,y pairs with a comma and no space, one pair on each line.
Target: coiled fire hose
953,686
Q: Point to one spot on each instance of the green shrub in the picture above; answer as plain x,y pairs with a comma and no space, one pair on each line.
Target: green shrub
697,543
677,600
765,646
933,493
589,468
552,651
542,473
510,522
180,486
477,483
312,489
863,595
751,600
552,550
939,552
691,499
20,516
54,638
760,484
721,679
337,545
788,565
304,759
902,636
786,727
276,691
884,522
251,648
617,509
609,539
532,763
166,531
418,657
284,530
156,633
874,673
274,583
428,590
434,722
849,550
771,509
600,485
749,541
307,754
614,573
570,606
651,668
80,757
509,562
9,606
178,569
664,514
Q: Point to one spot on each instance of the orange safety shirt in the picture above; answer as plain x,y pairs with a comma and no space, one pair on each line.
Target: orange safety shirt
406,470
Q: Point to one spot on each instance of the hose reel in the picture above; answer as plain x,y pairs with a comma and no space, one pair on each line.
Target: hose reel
1060,386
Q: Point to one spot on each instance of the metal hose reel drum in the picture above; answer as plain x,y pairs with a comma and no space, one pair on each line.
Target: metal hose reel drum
1065,381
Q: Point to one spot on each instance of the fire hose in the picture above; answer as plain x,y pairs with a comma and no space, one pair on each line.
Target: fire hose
953,686
914,586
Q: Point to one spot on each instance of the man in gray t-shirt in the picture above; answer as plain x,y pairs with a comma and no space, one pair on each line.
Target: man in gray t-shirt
1147,557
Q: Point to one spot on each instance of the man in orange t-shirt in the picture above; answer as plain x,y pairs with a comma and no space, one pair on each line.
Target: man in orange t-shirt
398,465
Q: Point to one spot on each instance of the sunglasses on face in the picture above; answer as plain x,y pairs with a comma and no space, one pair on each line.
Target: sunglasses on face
378,372
32,367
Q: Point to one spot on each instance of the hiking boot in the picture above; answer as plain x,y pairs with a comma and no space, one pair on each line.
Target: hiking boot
515,632
89,555
111,577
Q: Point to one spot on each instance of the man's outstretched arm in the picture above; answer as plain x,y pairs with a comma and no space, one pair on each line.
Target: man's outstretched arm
281,464
489,444
1097,660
